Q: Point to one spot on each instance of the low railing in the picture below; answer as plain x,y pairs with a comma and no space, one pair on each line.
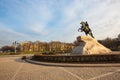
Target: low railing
78,58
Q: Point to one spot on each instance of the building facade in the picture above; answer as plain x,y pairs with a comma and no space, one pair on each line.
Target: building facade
53,46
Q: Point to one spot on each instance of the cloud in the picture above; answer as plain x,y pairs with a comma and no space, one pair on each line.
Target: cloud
103,17
99,14
8,36
38,29
57,19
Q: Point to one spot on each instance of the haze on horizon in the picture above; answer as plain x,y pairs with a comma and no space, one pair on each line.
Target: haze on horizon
58,20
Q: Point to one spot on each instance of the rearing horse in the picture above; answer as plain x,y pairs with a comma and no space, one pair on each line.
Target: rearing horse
86,29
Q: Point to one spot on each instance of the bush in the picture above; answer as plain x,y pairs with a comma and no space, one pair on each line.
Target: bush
48,53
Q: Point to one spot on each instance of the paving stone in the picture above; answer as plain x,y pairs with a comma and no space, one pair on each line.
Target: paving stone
12,68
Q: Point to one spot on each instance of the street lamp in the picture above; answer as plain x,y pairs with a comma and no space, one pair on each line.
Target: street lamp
15,45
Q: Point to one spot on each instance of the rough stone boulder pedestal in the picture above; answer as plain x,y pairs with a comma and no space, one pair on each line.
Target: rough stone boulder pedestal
89,45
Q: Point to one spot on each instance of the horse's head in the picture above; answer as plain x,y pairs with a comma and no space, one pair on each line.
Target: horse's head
82,22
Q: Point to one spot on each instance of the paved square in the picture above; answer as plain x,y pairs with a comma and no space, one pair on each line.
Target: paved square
12,68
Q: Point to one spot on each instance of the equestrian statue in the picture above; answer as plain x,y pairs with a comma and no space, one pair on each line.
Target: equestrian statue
85,28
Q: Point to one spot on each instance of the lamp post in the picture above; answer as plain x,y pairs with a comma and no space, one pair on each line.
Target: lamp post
15,45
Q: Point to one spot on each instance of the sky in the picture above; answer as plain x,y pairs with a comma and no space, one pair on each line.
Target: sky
57,20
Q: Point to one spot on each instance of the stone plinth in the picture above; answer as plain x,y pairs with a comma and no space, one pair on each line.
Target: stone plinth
89,45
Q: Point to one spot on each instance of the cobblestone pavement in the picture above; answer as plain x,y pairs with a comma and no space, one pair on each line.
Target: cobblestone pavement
12,68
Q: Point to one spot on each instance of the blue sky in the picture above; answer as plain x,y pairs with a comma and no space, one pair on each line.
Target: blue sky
57,20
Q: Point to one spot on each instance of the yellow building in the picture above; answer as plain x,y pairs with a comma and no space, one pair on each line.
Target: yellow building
54,46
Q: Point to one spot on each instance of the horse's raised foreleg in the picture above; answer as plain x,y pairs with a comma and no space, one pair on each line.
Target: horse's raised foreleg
79,29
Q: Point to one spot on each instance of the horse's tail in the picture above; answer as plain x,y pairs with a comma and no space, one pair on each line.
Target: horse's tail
90,33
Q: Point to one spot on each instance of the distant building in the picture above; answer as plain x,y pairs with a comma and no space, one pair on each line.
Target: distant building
54,46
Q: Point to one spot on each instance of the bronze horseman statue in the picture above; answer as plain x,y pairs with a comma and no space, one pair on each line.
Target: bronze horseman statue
86,29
